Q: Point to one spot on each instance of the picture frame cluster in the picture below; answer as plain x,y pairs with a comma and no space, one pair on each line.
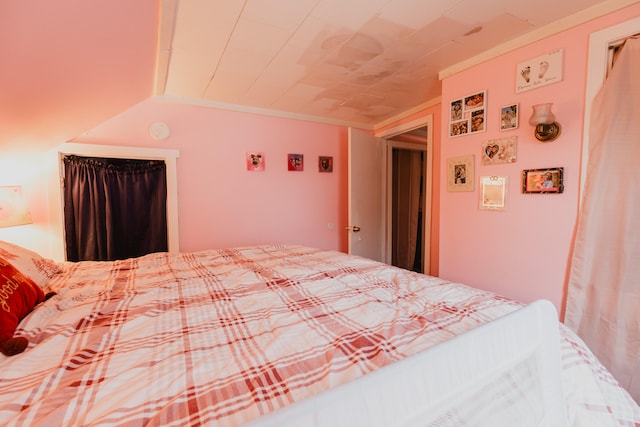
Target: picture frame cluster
256,161
467,114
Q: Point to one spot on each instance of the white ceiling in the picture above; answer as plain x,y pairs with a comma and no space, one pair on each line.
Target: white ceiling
359,62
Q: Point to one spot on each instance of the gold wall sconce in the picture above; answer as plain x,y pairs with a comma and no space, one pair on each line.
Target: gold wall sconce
546,127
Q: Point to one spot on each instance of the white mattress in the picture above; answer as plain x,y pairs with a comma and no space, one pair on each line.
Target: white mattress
498,374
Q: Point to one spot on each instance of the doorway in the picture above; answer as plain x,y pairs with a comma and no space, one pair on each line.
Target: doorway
414,136
370,191
407,167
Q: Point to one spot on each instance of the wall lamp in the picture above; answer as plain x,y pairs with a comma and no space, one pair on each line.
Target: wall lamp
547,129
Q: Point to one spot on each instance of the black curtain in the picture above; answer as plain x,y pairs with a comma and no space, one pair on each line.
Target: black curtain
114,208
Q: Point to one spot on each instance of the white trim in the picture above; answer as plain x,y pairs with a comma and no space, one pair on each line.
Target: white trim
294,116
599,43
56,195
577,18
407,113
406,127
262,111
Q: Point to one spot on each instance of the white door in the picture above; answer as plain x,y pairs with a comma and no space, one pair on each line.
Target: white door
366,196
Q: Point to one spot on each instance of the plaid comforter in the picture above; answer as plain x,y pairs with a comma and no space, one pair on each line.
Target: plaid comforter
221,337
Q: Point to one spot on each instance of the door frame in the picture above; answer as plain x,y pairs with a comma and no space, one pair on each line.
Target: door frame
386,135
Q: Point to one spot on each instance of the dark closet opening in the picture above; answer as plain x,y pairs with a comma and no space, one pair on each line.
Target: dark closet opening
408,199
114,208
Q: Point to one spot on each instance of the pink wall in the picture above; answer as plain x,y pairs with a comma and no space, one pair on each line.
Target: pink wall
524,252
221,204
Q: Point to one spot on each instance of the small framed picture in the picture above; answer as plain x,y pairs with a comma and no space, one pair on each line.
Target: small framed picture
255,161
456,110
460,173
459,128
325,164
475,100
509,117
13,208
540,71
501,150
295,162
493,192
543,180
477,120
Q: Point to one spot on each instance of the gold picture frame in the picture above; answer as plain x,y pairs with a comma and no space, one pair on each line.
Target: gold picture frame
460,173
543,181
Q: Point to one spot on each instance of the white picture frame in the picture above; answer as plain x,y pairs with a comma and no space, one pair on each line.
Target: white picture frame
540,71
509,117
493,193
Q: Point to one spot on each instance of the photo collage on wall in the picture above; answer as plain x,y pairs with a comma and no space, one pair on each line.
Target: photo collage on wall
468,114
255,161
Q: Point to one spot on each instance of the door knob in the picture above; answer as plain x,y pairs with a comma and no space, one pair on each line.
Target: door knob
355,228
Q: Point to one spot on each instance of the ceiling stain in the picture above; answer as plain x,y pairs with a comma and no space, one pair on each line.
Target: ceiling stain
473,31
354,52
336,61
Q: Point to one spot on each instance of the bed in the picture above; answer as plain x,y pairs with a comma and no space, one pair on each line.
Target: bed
277,335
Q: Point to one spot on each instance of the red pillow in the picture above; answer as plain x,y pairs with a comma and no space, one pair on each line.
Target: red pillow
18,296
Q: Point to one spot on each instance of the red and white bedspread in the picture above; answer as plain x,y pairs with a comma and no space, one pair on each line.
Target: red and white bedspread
221,337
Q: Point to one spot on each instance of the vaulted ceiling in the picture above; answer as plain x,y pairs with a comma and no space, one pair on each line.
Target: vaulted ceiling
70,65
351,61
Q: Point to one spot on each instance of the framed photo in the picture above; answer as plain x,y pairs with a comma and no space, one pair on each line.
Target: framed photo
460,173
13,207
295,162
325,164
456,111
255,161
509,117
540,71
543,180
459,128
475,100
477,120
501,150
493,192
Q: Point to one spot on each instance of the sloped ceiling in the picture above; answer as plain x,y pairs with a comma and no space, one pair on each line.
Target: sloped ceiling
351,61
66,66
